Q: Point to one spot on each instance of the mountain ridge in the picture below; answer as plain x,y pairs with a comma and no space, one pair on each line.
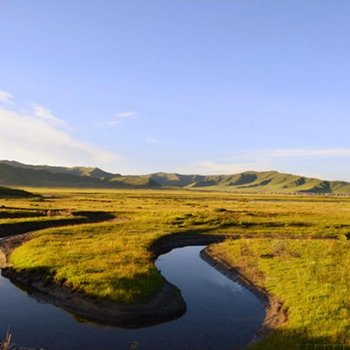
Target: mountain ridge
14,173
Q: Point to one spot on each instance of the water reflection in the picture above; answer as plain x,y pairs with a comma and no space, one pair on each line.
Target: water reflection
221,314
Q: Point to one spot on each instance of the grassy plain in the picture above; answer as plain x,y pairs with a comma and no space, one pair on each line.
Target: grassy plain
111,260
313,279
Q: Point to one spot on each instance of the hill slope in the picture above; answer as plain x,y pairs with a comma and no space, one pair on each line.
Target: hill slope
79,171
11,192
18,174
253,181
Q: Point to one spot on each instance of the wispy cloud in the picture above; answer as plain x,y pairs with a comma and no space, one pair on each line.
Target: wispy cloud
268,155
127,114
118,119
5,97
207,167
45,114
266,159
151,140
39,137
112,123
302,152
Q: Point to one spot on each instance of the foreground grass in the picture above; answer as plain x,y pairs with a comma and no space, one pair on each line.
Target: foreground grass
313,279
111,260
104,260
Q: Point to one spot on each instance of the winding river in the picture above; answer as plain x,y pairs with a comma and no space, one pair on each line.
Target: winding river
221,314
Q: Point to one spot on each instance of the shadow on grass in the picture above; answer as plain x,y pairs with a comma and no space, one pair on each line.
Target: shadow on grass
298,339
79,217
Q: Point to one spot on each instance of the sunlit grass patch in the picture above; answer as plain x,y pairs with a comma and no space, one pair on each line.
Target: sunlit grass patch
99,260
312,277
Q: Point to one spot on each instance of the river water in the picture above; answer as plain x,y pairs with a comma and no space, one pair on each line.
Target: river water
221,314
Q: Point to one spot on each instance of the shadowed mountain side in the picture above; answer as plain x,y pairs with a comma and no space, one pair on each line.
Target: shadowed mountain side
17,174
79,171
298,339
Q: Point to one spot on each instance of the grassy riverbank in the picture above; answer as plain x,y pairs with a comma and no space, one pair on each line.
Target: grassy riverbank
312,277
111,260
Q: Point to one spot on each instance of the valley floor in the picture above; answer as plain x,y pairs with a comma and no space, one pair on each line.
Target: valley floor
293,247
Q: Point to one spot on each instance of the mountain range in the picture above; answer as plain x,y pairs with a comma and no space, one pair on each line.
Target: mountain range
13,173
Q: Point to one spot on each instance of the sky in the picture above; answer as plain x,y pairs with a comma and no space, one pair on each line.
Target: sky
187,86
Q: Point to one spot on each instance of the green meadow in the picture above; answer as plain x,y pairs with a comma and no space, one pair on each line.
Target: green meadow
111,259
312,277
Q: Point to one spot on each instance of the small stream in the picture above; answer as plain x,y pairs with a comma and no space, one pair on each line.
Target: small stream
221,314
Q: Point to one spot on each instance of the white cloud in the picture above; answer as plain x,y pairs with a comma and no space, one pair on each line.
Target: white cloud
151,140
5,97
126,114
265,160
269,156
303,152
207,167
45,114
113,123
117,121
35,139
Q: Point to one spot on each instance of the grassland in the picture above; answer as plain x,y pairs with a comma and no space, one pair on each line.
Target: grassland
111,260
313,279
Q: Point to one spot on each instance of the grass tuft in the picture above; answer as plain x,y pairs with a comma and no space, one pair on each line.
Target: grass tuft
5,345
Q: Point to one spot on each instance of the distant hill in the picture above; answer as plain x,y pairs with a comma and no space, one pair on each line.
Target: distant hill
253,181
17,174
80,171
11,192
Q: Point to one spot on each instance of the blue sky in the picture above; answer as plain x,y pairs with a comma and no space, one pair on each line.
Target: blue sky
191,86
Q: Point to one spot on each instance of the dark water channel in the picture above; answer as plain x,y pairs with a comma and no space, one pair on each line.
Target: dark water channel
221,314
